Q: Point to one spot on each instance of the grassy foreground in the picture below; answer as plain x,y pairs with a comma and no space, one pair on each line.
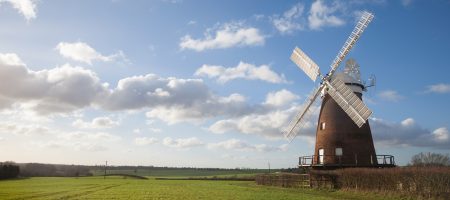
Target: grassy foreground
121,188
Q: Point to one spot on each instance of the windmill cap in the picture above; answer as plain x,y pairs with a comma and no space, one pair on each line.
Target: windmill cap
354,84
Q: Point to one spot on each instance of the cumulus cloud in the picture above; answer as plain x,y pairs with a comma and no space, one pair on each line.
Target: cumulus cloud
390,95
440,134
61,89
271,121
290,20
82,52
66,89
409,133
142,141
321,15
182,143
25,7
98,122
441,88
242,70
174,100
226,36
235,144
269,124
280,98
198,111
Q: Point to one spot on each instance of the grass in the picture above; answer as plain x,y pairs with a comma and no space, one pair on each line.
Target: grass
116,187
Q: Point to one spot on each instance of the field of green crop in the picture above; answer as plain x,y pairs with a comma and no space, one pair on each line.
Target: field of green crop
117,187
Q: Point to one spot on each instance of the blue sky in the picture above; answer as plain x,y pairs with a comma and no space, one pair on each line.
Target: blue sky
209,83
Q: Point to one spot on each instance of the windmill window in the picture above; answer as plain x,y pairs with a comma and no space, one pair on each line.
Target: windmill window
338,151
322,126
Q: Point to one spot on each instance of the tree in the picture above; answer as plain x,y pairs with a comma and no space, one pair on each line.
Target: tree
8,170
430,159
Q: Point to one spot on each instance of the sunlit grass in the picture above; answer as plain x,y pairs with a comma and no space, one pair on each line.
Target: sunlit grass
117,187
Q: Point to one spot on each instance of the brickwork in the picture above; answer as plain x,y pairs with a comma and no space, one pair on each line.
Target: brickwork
341,132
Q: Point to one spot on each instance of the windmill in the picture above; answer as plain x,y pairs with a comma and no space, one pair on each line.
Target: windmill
343,136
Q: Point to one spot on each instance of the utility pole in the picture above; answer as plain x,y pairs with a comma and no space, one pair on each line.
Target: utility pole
106,164
269,166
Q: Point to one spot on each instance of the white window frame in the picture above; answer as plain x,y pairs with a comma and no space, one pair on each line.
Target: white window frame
339,151
322,126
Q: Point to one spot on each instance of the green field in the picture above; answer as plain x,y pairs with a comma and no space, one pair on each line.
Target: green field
117,187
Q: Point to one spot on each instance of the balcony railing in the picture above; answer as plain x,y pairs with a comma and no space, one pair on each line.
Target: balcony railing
341,161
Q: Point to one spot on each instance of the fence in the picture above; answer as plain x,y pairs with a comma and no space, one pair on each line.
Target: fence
347,161
283,180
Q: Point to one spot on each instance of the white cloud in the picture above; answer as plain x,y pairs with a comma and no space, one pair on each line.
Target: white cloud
182,143
242,70
290,20
82,52
25,7
226,36
61,89
439,88
141,141
269,124
408,122
440,134
390,95
408,133
98,122
66,89
321,15
280,98
173,100
235,144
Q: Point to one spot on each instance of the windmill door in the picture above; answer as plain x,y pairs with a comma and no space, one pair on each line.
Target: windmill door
321,154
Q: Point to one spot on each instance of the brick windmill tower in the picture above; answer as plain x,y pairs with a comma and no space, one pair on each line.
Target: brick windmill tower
343,137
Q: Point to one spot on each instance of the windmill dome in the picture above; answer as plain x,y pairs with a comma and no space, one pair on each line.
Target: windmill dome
351,76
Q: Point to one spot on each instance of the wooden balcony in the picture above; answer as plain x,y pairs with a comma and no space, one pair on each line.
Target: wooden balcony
333,161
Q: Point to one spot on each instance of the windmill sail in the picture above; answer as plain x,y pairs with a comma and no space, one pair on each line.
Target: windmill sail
348,101
305,63
300,120
363,22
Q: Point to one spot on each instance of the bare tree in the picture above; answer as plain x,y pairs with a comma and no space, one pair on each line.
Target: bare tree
430,159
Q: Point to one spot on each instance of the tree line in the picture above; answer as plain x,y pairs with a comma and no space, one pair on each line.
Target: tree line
8,170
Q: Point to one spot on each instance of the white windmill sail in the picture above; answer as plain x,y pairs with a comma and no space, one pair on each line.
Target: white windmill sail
348,101
300,120
305,63
363,22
